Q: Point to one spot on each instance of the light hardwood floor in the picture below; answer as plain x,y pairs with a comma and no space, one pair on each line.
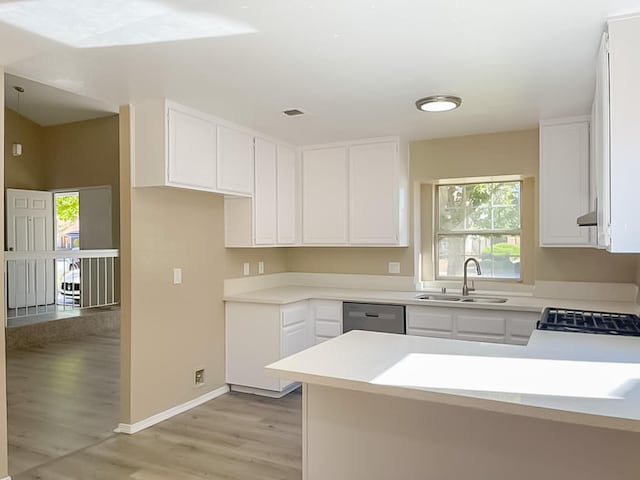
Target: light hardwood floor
234,437
51,424
61,397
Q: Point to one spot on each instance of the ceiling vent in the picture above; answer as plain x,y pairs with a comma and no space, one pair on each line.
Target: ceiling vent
293,112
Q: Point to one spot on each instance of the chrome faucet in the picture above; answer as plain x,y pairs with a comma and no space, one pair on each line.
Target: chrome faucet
465,288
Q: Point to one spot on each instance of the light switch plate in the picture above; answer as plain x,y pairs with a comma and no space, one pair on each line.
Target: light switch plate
260,268
246,268
177,276
394,267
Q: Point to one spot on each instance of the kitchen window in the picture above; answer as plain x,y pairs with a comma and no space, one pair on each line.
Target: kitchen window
480,220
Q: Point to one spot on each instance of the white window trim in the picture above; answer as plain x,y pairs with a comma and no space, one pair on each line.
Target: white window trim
437,232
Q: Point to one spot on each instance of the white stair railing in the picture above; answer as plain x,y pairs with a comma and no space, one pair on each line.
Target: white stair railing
38,283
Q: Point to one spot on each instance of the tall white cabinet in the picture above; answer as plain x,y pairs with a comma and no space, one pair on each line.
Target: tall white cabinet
619,165
355,194
564,182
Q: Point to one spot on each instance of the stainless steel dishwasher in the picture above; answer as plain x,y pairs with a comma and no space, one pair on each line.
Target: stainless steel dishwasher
375,317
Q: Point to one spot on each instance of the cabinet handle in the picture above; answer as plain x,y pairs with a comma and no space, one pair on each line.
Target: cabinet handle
374,315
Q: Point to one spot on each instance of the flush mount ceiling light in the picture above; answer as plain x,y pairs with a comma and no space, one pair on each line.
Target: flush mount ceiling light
438,103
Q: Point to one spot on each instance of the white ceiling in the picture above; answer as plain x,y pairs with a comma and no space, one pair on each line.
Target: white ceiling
47,105
355,66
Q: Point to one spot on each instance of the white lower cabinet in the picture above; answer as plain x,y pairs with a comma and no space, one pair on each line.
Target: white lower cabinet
481,325
326,316
260,334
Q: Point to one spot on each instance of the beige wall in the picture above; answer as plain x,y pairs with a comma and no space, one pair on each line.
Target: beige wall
84,154
275,260
361,260
26,171
175,329
4,463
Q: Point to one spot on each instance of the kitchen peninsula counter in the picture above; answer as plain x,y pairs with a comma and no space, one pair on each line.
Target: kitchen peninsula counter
420,402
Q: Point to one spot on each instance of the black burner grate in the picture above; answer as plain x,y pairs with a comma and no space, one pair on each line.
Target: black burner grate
589,322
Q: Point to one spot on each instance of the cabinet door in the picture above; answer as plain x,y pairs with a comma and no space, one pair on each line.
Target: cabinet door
564,183
520,326
253,337
326,318
265,193
191,151
373,194
235,161
296,332
287,196
480,326
430,321
324,197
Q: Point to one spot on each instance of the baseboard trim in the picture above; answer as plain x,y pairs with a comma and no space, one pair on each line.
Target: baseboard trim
5,478
131,428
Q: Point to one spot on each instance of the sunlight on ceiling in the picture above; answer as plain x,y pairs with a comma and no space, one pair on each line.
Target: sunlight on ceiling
96,23
520,376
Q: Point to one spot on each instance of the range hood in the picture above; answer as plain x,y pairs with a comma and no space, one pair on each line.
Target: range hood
588,219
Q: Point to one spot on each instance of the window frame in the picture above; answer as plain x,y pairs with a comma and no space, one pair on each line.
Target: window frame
437,233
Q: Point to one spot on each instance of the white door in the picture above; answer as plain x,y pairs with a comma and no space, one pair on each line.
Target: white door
30,229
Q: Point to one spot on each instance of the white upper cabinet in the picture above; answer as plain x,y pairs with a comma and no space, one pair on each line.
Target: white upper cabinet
564,183
355,194
235,161
192,151
265,205
623,164
324,196
287,196
178,146
270,218
373,194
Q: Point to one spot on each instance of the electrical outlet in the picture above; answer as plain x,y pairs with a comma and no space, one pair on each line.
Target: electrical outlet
199,377
260,268
394,267
246,268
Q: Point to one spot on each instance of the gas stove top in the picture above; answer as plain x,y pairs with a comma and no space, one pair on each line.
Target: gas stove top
564,320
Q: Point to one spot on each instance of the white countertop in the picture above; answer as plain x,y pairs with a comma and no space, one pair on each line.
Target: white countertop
570,377
291,294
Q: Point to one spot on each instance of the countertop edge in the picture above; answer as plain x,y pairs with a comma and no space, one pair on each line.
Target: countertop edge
499,406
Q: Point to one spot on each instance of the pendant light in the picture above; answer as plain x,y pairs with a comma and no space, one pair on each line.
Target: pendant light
16,148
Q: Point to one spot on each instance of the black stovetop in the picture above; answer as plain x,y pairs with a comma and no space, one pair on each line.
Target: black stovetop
559,319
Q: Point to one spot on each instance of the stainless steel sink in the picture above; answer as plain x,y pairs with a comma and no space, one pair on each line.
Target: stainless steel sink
440,298
484,300
455,298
